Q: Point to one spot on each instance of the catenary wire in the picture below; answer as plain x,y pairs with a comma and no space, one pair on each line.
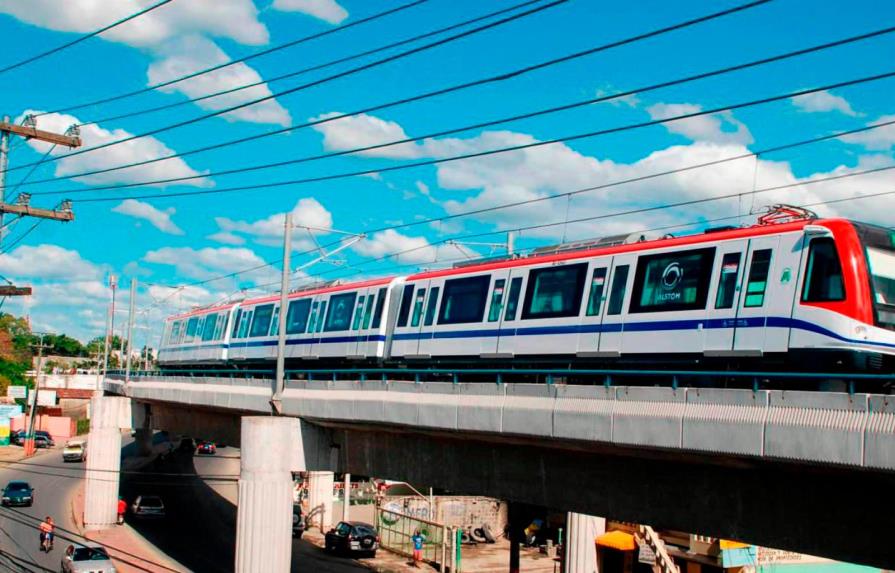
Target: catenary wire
7,248
217,67
486,153
84,37
503,76
317,67
480,125
618,182
342,74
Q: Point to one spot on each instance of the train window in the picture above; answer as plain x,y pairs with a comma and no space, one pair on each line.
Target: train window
464,300
823,275
617,290
261,321
182,332
191,326
513,299
672,281
341,306
220,326
320,316
727,281
554,291
418,307
496,300
211,322
758,278
297,316
368,313
236,323
406,301
432,306
244,324
312,324
175,333
380,304
595,298
358,312
275,322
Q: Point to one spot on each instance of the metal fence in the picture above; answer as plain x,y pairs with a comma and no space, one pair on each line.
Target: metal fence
396,530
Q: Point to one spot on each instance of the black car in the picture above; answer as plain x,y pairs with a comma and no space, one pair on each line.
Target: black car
18,493
298,521
352,537
42,439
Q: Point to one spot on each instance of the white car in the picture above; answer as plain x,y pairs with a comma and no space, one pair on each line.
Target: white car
148,506
87,558
75,451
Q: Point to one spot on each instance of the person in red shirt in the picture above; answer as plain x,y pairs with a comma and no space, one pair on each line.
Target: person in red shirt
122,508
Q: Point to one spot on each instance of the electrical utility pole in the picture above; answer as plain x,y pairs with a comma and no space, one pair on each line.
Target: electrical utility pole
130,331
113,283
279,382
29,437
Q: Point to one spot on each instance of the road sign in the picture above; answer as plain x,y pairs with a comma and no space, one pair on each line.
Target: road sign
10,410
17,391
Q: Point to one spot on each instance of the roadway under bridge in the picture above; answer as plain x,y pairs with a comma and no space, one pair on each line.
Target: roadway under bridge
810,472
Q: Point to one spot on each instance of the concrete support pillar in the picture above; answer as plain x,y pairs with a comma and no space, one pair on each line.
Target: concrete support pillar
346,498
108,414
264,517
142,424
580,547
320,499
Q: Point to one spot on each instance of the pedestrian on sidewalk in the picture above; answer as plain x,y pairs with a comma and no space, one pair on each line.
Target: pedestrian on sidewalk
122,508
417,540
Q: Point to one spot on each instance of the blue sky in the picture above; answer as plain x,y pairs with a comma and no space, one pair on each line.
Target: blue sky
174,241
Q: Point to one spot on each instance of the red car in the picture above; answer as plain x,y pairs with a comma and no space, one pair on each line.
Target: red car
207,448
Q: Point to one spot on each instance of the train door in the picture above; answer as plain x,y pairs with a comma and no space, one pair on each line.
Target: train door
758,300
414,348
490,341
592,311
724,298
315,326
506,343
356,346
621,276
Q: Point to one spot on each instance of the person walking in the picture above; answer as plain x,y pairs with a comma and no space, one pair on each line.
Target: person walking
417,540
122,509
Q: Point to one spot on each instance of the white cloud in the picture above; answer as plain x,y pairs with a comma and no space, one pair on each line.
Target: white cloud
717,128
630,100
183,298
192,53
226,238
823,101
879,139
161,220
269,231
47,261
210,262
362,131
327,10
391,241
113,156
233,19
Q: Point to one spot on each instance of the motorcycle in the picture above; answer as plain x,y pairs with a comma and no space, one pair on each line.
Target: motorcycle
46,542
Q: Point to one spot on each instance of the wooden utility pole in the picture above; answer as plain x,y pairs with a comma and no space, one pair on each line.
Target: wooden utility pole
29,437
21,206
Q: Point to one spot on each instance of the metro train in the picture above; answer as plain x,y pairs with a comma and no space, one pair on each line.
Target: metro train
808,293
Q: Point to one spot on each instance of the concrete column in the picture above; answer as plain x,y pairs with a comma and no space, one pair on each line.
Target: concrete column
264,513
580,547
346,497
107,416
142,424
320,499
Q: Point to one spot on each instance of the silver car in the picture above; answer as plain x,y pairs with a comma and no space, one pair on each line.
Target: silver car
87,558
148,506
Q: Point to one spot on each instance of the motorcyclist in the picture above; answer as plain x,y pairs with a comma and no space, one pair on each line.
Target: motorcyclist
47,528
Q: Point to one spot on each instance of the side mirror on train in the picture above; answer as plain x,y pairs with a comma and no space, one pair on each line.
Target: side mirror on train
817,231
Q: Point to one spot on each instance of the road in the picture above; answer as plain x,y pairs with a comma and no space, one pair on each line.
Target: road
199,531
55,483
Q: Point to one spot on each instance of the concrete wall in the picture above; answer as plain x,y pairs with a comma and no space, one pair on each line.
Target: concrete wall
60,427
454,510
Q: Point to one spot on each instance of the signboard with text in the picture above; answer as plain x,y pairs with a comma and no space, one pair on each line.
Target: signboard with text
17,391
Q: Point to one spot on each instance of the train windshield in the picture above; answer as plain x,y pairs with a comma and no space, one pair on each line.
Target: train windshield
879,244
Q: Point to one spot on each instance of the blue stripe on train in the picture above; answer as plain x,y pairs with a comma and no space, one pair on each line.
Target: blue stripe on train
653,326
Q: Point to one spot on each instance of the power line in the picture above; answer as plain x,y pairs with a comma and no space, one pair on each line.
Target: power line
311,68
458,87
616,183
217,67
321,81
8,247
480,125
85,37
478,154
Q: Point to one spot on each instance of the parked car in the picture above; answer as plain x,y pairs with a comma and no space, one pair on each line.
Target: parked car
207,448
298,521
43,442
17,437
148,506
75,451
86,558
186,445
18,492
352,537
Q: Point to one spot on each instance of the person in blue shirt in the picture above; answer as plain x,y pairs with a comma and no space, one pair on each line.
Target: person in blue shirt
417,540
